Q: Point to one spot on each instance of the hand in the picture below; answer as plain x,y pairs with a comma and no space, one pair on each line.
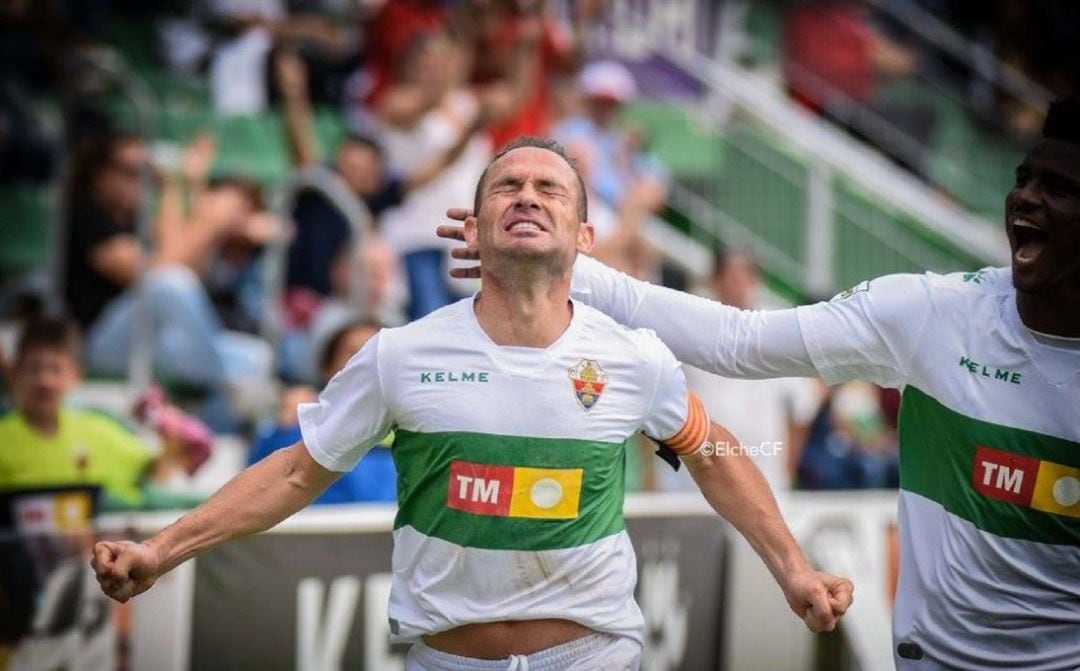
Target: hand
458,233
646,194
820,599
125,569
199,158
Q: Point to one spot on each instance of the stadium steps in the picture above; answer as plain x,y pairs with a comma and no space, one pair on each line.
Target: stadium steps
758,184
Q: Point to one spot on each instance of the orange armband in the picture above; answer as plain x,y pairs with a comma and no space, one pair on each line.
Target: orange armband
694,432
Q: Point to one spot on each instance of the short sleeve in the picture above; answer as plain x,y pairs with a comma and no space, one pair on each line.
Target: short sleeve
669,410
869,332
351,416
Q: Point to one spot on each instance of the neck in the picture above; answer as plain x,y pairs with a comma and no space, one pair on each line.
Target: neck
522,311
1054,312
44,423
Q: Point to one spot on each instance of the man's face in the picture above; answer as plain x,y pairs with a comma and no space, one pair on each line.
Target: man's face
529,211
737,283
118,185
1042,217
361,168
42,378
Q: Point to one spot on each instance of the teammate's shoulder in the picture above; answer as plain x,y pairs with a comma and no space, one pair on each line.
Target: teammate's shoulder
984,281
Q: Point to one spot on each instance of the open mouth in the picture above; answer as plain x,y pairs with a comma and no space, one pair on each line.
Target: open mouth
525,226
1029,240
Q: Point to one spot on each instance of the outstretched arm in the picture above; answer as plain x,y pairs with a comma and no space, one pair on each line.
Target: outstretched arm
870,332
735,488
255,500
703,333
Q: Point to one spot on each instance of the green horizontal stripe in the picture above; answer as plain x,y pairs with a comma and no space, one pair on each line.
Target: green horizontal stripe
423,465
937,455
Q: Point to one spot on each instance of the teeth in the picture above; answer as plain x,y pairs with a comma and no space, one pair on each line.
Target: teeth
527,225
1024,223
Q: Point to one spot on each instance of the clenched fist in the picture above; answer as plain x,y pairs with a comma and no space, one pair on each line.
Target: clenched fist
125,569
820,599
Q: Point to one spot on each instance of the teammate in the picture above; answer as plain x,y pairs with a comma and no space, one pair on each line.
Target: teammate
511,411
989,365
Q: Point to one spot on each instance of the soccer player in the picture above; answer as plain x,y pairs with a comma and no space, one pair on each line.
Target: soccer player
511,412
989,365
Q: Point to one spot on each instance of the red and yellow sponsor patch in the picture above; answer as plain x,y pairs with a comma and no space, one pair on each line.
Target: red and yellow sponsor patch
514,491
1026,481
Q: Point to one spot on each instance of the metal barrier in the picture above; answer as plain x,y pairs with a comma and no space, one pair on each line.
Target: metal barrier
329,185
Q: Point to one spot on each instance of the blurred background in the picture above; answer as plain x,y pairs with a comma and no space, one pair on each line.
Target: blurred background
206,208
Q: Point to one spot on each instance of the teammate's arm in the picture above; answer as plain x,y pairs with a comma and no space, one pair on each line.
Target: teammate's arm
255,500
871,334
703,333
735,488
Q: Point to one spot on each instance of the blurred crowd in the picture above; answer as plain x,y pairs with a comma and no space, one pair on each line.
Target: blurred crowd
244,307
849,61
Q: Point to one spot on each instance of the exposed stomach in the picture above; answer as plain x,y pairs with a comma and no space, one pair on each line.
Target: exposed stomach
499,640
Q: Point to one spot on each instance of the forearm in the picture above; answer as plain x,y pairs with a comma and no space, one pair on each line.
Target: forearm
701,332
255,500
301,130
735,488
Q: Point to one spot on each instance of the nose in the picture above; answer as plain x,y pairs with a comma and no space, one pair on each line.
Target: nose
1026,198
527,197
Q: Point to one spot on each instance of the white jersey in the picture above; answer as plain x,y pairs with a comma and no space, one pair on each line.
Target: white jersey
989,444
510,464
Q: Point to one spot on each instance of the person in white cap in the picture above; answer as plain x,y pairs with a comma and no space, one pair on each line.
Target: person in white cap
615,161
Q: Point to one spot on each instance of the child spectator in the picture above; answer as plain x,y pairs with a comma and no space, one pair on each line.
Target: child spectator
43,443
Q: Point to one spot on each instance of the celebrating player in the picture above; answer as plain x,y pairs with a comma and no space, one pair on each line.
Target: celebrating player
989,364
511,412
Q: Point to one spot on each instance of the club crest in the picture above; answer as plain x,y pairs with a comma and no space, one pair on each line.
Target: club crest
588,380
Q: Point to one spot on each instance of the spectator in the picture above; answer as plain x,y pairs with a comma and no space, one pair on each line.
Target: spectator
520,41
618,239
616,162
388,35
835,61
770,417
105,259
231,273
322,230
374,479
428,116
850,445
44,443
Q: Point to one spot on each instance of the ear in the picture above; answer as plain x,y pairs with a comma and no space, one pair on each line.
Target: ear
471,232
586,237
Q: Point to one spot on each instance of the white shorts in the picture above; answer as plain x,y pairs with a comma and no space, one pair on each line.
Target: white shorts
589,653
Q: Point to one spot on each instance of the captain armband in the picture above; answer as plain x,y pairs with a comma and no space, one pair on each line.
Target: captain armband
690,437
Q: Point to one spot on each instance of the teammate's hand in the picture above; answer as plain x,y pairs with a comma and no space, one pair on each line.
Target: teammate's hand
820,599
463,252
125,569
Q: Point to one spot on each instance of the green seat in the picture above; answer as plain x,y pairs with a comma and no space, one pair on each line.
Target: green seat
24,228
